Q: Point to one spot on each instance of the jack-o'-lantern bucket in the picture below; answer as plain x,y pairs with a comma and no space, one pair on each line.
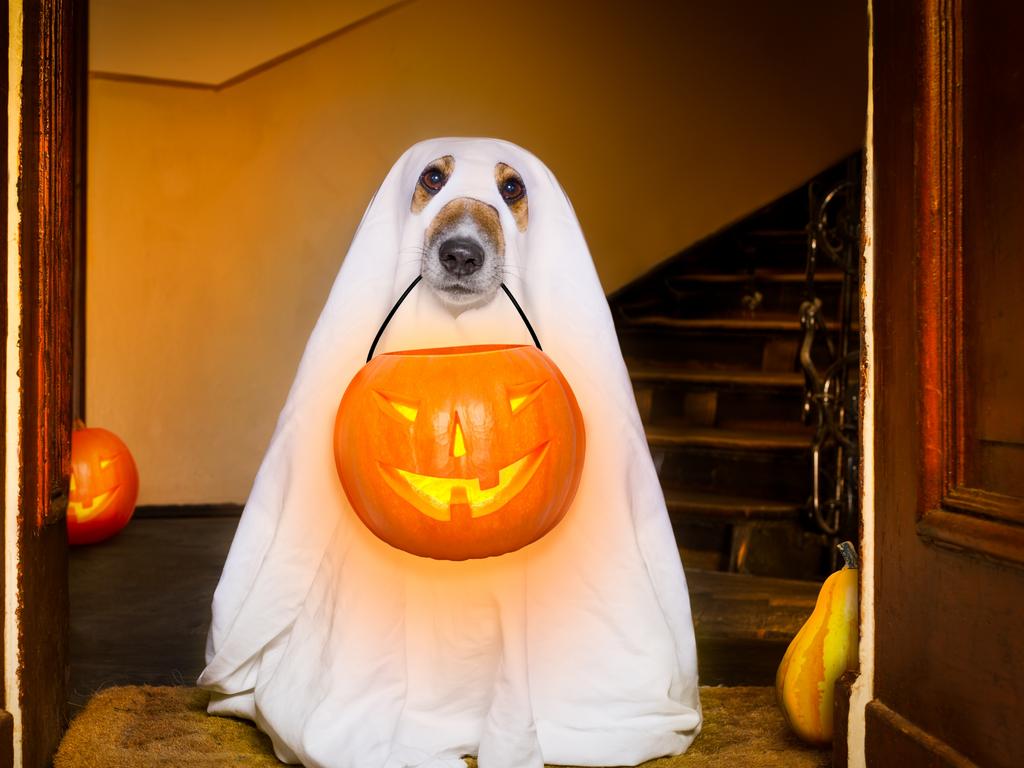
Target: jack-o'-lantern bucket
460,452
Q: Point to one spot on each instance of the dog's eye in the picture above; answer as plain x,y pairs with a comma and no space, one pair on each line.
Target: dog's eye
511,189
433,179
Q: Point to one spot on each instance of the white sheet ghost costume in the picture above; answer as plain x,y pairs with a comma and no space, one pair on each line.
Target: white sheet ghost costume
577,649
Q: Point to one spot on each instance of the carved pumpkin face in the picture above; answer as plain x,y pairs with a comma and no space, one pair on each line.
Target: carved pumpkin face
104,486
462,452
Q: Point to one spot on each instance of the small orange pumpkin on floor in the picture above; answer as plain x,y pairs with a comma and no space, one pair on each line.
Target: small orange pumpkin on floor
824,648
104,485
462,452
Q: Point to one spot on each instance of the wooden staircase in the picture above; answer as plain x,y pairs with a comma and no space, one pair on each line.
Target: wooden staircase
711,340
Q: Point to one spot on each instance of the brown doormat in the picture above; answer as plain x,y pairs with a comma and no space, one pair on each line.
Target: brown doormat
149,727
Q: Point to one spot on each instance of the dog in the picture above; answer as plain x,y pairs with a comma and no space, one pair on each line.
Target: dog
347,651
464,245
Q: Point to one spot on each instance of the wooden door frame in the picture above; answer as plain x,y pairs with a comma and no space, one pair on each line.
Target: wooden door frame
6,718
938,547
45,117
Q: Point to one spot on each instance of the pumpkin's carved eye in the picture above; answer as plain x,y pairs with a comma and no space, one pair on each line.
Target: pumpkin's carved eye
406,409
104,463
520,396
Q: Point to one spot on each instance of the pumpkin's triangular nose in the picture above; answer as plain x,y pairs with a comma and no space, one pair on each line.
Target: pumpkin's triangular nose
458,441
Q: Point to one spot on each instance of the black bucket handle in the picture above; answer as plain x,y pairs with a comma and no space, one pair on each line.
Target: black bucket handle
407,291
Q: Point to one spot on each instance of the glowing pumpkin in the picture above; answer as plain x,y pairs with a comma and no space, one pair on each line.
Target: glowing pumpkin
824,648
104,485
459,453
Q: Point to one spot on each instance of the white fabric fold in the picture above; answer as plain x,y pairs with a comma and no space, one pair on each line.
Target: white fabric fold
577,649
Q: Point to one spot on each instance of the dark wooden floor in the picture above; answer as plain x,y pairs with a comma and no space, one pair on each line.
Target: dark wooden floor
140,608
140,603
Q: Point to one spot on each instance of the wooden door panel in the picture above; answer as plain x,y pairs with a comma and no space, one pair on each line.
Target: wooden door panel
949,308
969,275
993,244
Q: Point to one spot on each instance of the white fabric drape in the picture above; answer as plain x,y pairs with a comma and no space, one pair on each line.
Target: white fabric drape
576,650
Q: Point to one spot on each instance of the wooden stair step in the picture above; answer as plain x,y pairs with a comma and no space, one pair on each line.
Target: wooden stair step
751,350
646,372
763,323
758,275
766,323
751,471
743,624
676,436
740,400
743,607
725,508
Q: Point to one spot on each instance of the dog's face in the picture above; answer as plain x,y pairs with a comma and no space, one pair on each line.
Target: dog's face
464,245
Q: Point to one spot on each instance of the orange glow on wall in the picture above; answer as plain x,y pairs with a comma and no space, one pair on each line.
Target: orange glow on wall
104,485
459,453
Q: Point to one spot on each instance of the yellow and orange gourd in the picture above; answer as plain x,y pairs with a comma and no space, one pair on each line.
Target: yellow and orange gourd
824,648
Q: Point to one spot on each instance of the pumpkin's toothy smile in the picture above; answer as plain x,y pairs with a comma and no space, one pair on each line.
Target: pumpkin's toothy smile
436,497
85,511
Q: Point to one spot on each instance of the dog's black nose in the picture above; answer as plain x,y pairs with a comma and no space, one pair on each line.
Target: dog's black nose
461,256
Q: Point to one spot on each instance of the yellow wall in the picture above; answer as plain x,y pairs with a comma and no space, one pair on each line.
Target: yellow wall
217,220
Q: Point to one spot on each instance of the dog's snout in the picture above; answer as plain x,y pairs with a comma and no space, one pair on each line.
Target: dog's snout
461,256
464,253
